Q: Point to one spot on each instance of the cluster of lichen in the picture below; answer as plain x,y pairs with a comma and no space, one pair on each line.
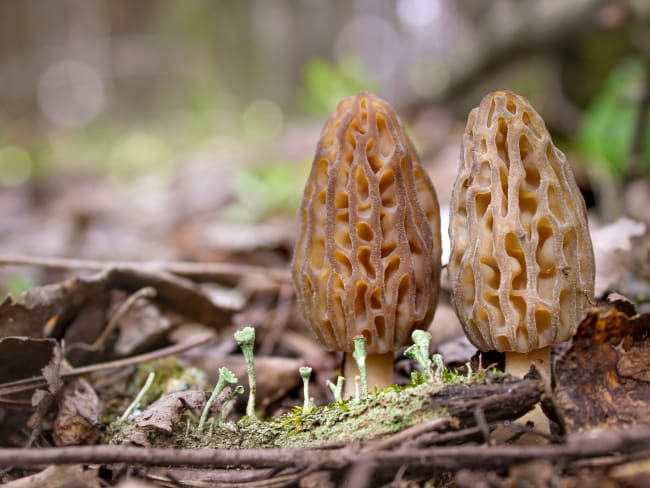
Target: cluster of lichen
246,340
366,415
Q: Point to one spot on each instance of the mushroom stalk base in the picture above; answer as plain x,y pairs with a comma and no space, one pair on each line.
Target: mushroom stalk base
379,369
518,364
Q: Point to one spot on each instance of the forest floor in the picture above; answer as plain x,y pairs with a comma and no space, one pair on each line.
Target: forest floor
111,281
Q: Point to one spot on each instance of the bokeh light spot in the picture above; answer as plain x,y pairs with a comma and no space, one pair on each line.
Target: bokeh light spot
15,166
140,151
418,13
429,77
262,119
374,42
71,93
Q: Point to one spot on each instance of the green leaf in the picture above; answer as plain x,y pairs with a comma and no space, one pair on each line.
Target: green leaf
326,83
609,122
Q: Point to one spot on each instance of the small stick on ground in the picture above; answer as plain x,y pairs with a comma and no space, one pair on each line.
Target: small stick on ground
181,268
146,292
38,381
582,445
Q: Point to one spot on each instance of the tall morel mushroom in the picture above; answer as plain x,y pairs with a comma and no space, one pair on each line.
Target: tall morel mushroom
367,256
522,263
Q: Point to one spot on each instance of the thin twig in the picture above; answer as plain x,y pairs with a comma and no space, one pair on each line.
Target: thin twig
147,292
610,461
581,446
453,437
516,431
181,268
38,381
215,476
277,481
280,320
481,423
399,476
408,434
12,401
359,475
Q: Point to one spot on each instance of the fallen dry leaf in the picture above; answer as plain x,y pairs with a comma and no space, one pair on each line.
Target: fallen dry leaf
603,378
52,371
28,315
14,351
78,418
55,306
164,413
140,327
611,245
136,483
635,473
42,400
59,476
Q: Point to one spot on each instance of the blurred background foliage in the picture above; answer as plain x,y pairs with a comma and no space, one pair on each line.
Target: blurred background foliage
610,120
326,83
123,88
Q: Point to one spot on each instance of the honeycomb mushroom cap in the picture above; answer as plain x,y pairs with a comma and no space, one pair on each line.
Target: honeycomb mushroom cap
367,256
522,263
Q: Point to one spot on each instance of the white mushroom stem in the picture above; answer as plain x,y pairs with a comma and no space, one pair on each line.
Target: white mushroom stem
518,364
379,370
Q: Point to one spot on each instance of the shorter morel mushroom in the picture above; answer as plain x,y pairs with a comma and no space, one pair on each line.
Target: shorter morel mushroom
521,265
367,256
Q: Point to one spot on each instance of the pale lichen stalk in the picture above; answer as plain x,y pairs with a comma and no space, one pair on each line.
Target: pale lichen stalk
220,419
246,340
359,356
143,391
419,352
305,374
337,389
439,368
225,376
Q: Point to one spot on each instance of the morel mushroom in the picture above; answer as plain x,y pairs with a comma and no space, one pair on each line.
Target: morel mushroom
522,263
367,256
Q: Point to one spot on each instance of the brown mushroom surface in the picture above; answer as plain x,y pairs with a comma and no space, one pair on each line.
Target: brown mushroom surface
522,263
367,256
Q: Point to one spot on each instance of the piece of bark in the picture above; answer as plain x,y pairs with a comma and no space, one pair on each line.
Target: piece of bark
603,378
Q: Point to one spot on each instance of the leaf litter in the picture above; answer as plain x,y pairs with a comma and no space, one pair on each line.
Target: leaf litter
602,374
